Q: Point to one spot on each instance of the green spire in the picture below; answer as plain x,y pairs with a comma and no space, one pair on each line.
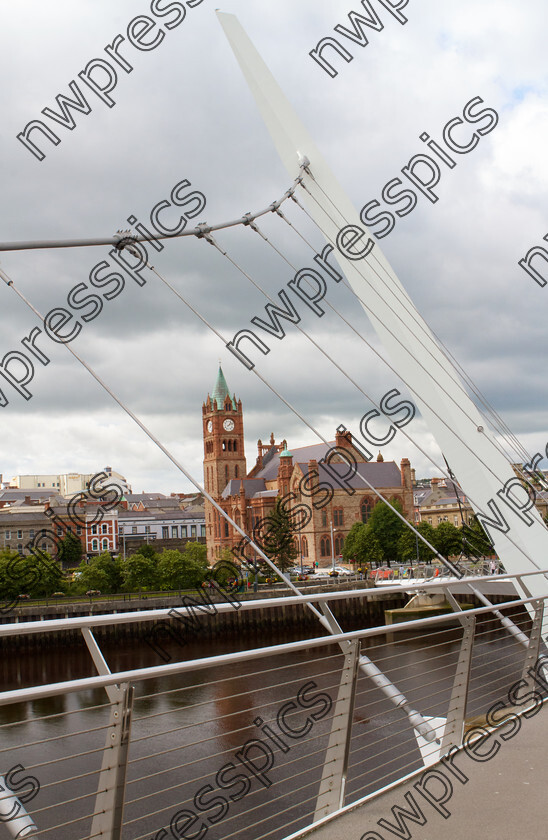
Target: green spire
221,391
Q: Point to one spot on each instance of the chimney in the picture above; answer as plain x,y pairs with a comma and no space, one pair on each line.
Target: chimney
406,473
343,439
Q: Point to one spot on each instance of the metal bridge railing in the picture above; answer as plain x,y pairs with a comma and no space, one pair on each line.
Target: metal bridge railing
259,743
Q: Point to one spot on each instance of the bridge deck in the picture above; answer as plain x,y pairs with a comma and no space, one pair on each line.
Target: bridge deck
504,797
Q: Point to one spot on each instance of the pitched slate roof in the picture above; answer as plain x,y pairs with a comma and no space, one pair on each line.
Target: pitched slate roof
271,460
251,487
381,474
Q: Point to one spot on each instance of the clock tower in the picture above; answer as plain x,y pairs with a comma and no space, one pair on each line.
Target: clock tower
224,457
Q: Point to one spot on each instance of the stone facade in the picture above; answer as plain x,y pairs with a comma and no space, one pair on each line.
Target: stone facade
314,479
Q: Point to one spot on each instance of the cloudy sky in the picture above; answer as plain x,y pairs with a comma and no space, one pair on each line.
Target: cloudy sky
186,112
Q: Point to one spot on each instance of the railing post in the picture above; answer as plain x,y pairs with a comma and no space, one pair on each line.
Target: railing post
535,639
333,782
109,803
456,713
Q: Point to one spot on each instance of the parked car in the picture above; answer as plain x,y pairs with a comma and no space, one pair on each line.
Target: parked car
23,597
92,592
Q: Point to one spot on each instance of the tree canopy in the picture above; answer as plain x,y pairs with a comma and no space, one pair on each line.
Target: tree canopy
277,537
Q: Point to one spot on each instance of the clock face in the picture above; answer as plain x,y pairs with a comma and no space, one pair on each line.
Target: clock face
210,426
228,425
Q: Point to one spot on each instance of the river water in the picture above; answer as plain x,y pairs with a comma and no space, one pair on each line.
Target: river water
185,729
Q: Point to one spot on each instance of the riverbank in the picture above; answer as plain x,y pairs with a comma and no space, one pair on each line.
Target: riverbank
352,613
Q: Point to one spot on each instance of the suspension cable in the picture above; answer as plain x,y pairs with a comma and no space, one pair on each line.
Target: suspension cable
418,321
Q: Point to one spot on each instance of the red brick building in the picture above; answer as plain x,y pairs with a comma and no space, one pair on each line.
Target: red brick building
313,474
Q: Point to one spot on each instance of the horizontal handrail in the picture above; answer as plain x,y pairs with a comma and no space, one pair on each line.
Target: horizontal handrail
140,674
29,627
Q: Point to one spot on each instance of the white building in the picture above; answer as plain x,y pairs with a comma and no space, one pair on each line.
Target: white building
68,484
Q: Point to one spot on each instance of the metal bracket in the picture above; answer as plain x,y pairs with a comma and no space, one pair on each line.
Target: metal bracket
456,713
333,782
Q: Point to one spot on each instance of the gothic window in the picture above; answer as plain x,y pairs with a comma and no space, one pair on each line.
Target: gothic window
339,542
324,517
226,529
230,446
237,517
236,470
224,445
235,446
325,547
304,546
365,510
338,517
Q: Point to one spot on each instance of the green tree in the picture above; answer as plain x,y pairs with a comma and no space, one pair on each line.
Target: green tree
349,547
277,537
139,572
475,541
10,585
387,528
147,550
367,548
197,552
29,574
102,573
70,551
182,569
408,542
447,539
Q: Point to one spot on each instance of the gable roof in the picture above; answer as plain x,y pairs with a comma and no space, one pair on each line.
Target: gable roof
380,474
271,460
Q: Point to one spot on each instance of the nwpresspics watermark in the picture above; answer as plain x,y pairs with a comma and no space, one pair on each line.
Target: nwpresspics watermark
252,763
100,75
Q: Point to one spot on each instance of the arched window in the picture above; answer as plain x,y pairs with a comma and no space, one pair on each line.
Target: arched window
304,546
237,517
105,545
235,446
224,445
94,545
325,547
339,542
226,529
230,446
338,517
236,471
365,509
324,517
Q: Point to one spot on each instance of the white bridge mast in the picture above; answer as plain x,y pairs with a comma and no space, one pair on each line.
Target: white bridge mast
469,446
